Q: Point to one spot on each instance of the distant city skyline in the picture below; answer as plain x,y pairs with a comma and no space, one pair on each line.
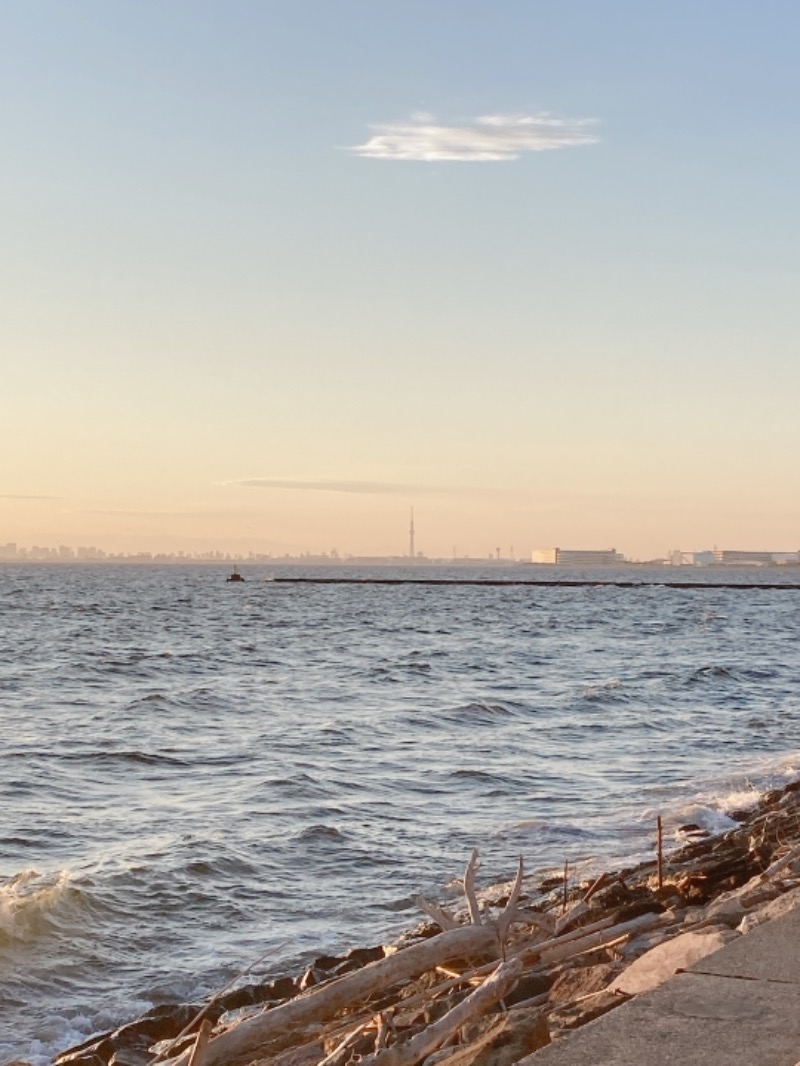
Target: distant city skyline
62,553
274,273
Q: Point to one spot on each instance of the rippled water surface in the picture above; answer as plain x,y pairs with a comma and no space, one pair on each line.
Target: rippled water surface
194,772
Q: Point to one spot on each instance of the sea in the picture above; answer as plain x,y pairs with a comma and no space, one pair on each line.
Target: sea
200,776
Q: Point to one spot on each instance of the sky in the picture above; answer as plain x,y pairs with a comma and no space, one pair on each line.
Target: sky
274,272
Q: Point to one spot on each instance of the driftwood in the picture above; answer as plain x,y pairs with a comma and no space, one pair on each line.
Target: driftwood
200,1044
343,1045
432,1038
555,951
779,865
320,1005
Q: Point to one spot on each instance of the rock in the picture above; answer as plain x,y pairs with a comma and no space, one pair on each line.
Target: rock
312,976
728,909
129,1044
663,961
741,814
327,962
94,1052
251,995
732,906
528,986
358,957
771,909
131,1057
283,988
504,1040
580,981
694,830
614,895
161,1023
638,908
639,945
573,1015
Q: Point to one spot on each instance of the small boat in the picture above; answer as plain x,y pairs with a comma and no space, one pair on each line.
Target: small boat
235,576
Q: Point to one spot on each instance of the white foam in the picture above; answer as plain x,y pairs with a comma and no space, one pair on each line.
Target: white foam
26,898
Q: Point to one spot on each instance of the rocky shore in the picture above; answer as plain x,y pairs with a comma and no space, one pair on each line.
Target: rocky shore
517,966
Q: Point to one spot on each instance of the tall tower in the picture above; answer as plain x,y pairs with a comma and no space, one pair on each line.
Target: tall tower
411,536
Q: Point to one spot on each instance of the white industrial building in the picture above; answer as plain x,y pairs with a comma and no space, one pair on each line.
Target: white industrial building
576,557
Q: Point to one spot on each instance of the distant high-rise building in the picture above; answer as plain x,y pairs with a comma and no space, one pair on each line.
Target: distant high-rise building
411,537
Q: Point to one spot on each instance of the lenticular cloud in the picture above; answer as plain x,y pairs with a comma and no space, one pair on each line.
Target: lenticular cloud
487,138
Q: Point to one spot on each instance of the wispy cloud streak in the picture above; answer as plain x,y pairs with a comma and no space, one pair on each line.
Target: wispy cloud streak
331,485
25,496
485,139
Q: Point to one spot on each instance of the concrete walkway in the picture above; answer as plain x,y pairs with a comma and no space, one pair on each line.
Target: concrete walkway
740,1005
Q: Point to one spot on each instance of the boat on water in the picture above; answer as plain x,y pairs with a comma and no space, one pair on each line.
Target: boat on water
235,576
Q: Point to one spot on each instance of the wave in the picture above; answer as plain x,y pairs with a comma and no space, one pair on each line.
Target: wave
478,712
147,758
612,688
316,833
30,901
710,674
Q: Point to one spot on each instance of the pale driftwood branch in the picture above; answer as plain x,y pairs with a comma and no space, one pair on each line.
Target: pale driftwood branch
469,888
203,1034
446,920
442,1055
321,1004
385,1028
443,918
343,1044
528,947
547,954
411,1002
776,867
509,912
596,885
432,1038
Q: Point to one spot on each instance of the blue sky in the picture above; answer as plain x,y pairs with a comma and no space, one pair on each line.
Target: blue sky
273,273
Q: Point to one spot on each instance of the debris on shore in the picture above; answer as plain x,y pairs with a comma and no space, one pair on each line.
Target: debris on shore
518,967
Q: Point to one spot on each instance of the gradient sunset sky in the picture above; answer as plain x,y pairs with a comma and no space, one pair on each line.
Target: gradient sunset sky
275,272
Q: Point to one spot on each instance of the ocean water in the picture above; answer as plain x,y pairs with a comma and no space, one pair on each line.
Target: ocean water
194,774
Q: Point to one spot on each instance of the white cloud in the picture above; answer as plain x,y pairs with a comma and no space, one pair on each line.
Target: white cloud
485,139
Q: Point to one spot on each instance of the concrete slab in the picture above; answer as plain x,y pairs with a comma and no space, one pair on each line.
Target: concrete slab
692,1019
771,952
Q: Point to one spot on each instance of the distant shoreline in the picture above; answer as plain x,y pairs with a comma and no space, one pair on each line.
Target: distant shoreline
401,562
